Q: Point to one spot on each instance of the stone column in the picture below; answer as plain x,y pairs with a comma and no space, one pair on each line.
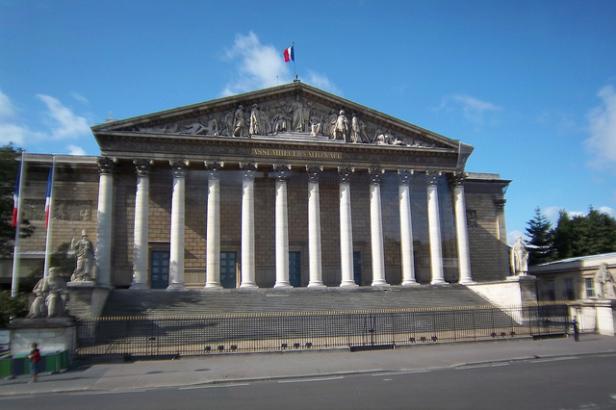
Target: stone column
140,247
406,229
104,222
212,274
248,227
376,228
282,228
346,229
176,257
314,229
464,257
434,229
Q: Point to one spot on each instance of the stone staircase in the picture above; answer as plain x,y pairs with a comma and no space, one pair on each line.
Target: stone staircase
195,302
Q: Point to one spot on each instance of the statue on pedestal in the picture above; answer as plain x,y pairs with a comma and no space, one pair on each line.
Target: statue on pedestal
519,258
48,300
84,254
604,283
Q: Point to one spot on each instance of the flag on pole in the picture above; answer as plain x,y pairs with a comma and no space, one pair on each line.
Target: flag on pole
288,54
16,200
48,197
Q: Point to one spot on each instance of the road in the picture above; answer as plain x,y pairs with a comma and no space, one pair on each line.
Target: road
574,382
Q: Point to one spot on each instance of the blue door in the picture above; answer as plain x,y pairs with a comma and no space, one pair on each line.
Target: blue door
295,266
159,269
228,261
357,267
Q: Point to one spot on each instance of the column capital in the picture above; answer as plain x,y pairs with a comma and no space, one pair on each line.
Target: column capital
142,167
178,168
458,178
249,170
376,175
432,176
344,174
314,173
281,172
500,203
105,165
404,175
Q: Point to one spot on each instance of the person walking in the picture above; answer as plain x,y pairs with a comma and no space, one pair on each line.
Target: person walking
35,360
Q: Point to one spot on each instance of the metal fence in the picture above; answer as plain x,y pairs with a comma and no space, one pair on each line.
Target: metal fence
138,336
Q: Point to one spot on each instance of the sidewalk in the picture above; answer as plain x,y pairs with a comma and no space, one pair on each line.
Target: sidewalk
267,366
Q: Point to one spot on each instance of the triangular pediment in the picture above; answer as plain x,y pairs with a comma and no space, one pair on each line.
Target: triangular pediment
291,111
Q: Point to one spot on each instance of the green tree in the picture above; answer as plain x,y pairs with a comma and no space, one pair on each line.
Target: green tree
581,235
8,173
539,232
563,236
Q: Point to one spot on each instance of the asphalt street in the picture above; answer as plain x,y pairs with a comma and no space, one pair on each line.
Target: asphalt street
563,383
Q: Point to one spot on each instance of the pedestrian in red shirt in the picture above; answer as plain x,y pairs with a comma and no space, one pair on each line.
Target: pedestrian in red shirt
35,359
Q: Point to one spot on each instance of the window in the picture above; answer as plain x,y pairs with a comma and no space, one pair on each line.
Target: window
589,284
550,290
569,292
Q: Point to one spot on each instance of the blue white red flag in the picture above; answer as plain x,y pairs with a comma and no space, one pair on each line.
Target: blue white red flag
16,200
288,54
48,197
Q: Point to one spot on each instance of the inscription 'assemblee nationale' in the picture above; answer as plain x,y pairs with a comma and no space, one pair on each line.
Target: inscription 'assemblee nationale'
285,153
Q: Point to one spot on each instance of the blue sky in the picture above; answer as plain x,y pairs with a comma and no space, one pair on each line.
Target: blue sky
531,85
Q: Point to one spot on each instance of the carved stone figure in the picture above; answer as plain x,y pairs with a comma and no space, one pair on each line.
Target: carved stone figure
212,127
49,296
341,127
279,123
381,138
604,283
254,128
355,129
519,258
239,123
315,128
301,115
84,254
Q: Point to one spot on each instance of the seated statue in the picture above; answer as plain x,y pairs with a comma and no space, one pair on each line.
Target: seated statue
49,296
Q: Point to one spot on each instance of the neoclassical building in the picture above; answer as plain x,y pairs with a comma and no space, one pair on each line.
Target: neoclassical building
286,186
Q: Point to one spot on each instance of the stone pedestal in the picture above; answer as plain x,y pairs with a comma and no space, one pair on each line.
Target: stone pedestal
52,335
85,299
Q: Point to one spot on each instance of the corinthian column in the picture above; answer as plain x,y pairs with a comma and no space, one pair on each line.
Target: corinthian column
140,247
434,229
376,229
406,229
464,259
314,229
176,257
282,229
346,229
248,228
104,222
213,227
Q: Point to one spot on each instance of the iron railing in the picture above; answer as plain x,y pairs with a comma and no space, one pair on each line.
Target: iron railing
140,336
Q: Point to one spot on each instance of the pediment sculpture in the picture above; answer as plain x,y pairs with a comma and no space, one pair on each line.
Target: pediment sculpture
605,285
287,115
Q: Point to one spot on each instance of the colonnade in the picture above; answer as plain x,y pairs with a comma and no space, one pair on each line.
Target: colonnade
281,175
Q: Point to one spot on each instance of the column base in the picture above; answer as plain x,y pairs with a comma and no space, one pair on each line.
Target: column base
176,286
213,285
282,285
438,282
467,282
138,286
348,284
410,283
249,285
380,283
315,284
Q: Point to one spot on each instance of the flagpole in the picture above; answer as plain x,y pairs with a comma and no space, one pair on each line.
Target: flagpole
16,248
49,217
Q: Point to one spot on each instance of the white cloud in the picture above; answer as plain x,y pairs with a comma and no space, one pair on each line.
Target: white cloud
552,212
65,123
258,65
473,109
322,81
6,107
513,235
80,98
12,133
602,129
607,210
75,150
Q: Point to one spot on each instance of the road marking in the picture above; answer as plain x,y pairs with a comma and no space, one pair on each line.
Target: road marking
483,366
554,359
316,379
386,380
214,386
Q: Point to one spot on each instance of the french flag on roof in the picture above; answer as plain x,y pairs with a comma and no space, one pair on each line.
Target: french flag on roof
288,54
16,201
48,197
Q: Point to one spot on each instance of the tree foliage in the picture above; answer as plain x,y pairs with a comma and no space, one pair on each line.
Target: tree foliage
578,235
9,307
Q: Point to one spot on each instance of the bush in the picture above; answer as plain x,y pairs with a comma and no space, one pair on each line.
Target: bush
10,308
